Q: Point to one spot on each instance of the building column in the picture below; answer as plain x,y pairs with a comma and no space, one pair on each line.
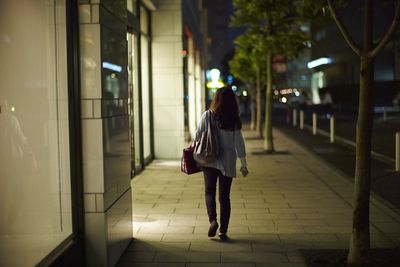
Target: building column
200,92
167,72
105,130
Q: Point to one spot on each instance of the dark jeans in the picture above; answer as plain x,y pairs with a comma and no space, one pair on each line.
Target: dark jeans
211,176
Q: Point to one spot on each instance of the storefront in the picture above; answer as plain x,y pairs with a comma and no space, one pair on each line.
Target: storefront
146,84
40,163
77,121
140,86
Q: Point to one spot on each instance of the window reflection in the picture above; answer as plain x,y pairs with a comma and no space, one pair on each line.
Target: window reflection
145,82
134,102
35,193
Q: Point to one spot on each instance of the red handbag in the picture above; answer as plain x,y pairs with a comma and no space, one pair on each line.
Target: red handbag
188,164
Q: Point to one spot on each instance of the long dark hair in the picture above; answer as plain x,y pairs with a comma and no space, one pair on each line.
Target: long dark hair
226,110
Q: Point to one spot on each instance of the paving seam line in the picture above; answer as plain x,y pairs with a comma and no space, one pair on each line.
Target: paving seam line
315,157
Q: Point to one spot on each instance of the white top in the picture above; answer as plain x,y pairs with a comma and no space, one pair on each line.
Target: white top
231,146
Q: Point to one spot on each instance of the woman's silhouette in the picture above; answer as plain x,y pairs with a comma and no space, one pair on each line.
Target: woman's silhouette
225,116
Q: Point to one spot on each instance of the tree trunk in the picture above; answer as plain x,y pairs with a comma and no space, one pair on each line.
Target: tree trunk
259,102
253,108
268,142
360,237
360,240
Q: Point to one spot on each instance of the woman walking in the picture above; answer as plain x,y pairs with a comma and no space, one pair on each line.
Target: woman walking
225,118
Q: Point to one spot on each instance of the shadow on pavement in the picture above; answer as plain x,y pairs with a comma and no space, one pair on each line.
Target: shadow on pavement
338,258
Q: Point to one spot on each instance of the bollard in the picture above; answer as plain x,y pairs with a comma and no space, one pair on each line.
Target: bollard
332,128
294,117
314,123
301,119
398,151
384,114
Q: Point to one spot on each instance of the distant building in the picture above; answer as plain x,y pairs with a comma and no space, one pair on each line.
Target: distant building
335,66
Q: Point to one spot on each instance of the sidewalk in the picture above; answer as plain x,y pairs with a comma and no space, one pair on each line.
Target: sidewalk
288,202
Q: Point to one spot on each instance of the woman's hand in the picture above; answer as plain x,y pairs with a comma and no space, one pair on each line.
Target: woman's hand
244,171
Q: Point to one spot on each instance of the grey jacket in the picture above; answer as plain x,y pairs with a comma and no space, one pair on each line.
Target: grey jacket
231,146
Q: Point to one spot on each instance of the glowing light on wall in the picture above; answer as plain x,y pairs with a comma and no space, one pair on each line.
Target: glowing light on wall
110,66
215,82
215,74
319,62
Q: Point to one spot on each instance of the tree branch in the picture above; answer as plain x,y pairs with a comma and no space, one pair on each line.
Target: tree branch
356,48
389,34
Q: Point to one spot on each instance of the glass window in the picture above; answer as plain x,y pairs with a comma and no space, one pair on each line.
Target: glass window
145,96
144,20
132,6
35,191
134,102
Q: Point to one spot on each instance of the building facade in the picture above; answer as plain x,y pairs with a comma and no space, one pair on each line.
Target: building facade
91,92
337,66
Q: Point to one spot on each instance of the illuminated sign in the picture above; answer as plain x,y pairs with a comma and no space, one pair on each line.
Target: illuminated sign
318,62
110,66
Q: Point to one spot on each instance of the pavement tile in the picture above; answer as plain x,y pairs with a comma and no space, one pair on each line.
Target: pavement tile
290,264
258,222
256,238
327,229
220,265
203,229
311,237
300,222
195,222
249,211
388,227
184,238
147,246
268,247
293,210
267,216
147,229
276,211
329,217
150,264
148,237
195,211
137,256
263,229
295,256
191,256
331,245
219,246
254,257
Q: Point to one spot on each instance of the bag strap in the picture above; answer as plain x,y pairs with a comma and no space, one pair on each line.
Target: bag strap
211,118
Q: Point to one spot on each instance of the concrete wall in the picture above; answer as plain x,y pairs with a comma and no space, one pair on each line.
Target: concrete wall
105,130
168,79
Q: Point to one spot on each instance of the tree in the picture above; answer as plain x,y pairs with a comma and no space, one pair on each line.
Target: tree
360,238
247,64
238,66
367,51
277,27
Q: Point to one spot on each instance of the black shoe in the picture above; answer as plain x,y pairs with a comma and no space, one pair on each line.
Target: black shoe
213,229
223,236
